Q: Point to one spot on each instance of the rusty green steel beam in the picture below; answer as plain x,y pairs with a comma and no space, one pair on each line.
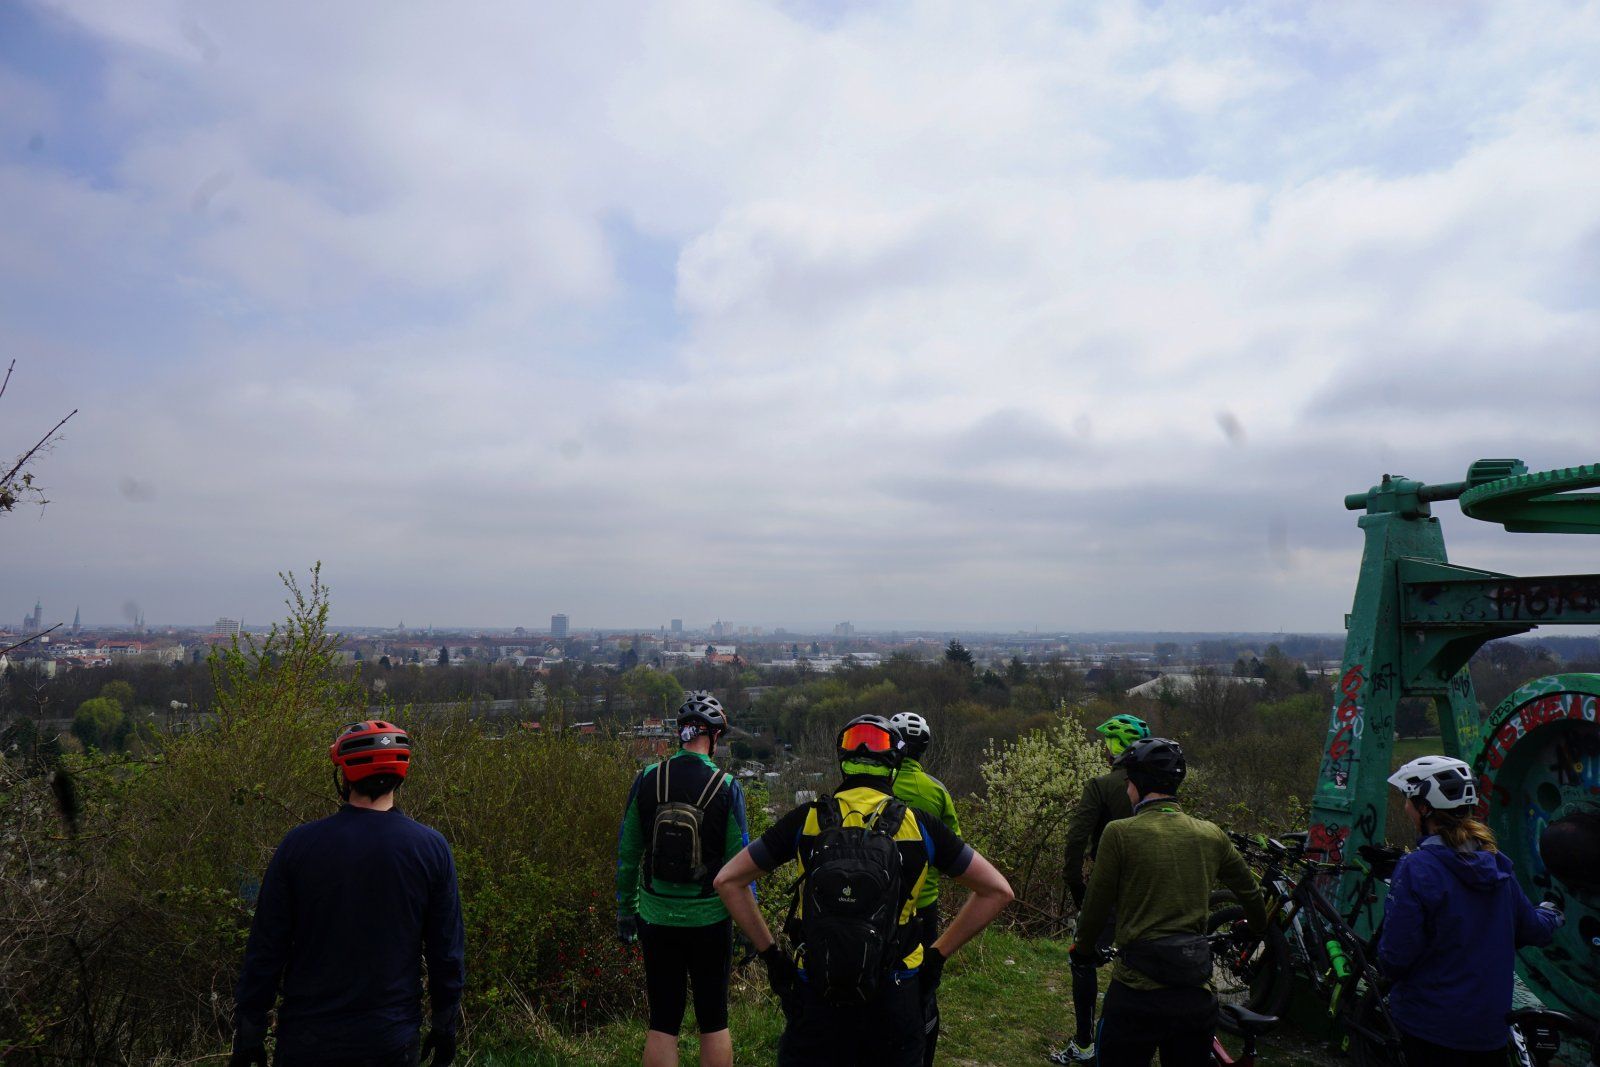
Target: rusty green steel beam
1435,594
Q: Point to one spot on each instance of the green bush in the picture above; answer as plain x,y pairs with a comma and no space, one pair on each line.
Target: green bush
1020,823
123,943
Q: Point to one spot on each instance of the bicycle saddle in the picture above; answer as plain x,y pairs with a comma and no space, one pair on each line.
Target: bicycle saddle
1381,858
1246,1021
1536,1016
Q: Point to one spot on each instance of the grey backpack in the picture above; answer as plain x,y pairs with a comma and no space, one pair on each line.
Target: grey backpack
675,853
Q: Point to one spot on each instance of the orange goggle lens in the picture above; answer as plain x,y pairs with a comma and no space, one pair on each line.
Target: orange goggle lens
865,735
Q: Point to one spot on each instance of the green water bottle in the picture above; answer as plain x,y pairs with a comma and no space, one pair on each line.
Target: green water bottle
1340,964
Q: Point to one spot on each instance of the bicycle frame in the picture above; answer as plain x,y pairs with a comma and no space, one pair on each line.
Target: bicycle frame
1310,921
1221,1056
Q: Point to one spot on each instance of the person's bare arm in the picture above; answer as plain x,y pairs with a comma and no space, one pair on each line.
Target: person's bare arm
733,886
990,894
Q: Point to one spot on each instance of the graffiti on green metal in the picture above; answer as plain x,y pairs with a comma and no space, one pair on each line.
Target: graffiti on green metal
1541,763
1529,717
1347,727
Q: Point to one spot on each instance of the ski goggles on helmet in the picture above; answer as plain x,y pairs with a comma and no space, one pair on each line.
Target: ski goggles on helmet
866,735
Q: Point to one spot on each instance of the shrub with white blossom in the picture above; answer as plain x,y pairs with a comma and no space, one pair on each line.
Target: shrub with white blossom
1030,788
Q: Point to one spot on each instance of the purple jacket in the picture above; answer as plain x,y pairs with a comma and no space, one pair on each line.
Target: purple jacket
1452,924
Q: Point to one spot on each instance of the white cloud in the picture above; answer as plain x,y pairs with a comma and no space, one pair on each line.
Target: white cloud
960,292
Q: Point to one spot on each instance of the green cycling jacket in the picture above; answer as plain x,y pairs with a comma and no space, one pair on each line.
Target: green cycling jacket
918,789
672,903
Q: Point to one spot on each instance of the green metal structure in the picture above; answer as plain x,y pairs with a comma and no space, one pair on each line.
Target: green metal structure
1416,621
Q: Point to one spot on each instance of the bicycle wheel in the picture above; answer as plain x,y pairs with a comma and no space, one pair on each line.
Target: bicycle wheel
1369,1033
1253,974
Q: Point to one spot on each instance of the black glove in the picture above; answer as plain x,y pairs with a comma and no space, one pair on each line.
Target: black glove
1555,909
1086,955
442,1043
782,974
251,1054
1076,890
931,971
627,929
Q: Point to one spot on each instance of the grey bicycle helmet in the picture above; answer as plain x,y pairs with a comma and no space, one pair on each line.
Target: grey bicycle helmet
702,711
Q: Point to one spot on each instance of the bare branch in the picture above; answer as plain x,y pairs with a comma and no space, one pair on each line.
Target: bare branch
8,377
25,640
29,453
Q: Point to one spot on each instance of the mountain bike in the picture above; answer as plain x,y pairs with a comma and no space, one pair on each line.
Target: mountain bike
1306,934
1258,973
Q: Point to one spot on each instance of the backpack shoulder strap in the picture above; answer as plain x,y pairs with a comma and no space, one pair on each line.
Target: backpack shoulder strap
892,814
828,815
663,772
709,793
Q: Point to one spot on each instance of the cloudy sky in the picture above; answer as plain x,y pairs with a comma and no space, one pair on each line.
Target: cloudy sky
924,313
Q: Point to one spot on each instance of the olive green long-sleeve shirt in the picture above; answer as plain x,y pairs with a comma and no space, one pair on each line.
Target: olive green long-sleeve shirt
1157,869
1104,800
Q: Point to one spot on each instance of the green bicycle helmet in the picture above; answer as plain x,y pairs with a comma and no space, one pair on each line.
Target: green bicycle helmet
1120,731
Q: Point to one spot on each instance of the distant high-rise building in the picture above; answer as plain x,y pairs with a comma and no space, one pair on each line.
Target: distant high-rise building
844,629
719,629
677,626
558,626
226,627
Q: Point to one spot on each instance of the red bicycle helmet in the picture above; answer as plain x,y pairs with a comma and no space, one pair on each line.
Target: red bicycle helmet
364,749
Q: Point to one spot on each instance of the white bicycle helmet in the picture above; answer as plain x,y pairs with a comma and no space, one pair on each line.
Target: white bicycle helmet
913,730
1444,782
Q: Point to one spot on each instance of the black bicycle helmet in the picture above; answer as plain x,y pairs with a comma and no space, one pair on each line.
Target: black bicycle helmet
1154,764
871,739
701,709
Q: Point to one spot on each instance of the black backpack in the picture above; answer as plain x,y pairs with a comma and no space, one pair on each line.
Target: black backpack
850,922
675,853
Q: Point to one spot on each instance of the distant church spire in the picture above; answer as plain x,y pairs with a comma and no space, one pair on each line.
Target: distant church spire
77,619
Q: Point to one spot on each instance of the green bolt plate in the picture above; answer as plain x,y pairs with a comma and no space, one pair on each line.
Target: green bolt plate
1540,761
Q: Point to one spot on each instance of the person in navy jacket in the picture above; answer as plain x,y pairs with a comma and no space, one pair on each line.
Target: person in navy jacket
350,907
1453,921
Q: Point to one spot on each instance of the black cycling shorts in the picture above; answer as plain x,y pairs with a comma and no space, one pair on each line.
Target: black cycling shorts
1136,1023
676,957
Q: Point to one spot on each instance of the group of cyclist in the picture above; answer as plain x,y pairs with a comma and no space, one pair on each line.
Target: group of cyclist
859,981
351,906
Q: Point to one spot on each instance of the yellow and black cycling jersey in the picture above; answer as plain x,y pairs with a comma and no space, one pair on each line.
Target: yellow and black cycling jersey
923,843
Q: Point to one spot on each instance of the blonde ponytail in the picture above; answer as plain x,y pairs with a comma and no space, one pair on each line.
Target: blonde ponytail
1462,832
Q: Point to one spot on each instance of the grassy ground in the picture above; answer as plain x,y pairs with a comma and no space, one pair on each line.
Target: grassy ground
1005,1001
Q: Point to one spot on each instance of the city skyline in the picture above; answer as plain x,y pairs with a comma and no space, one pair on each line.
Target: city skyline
847,630
1000,316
